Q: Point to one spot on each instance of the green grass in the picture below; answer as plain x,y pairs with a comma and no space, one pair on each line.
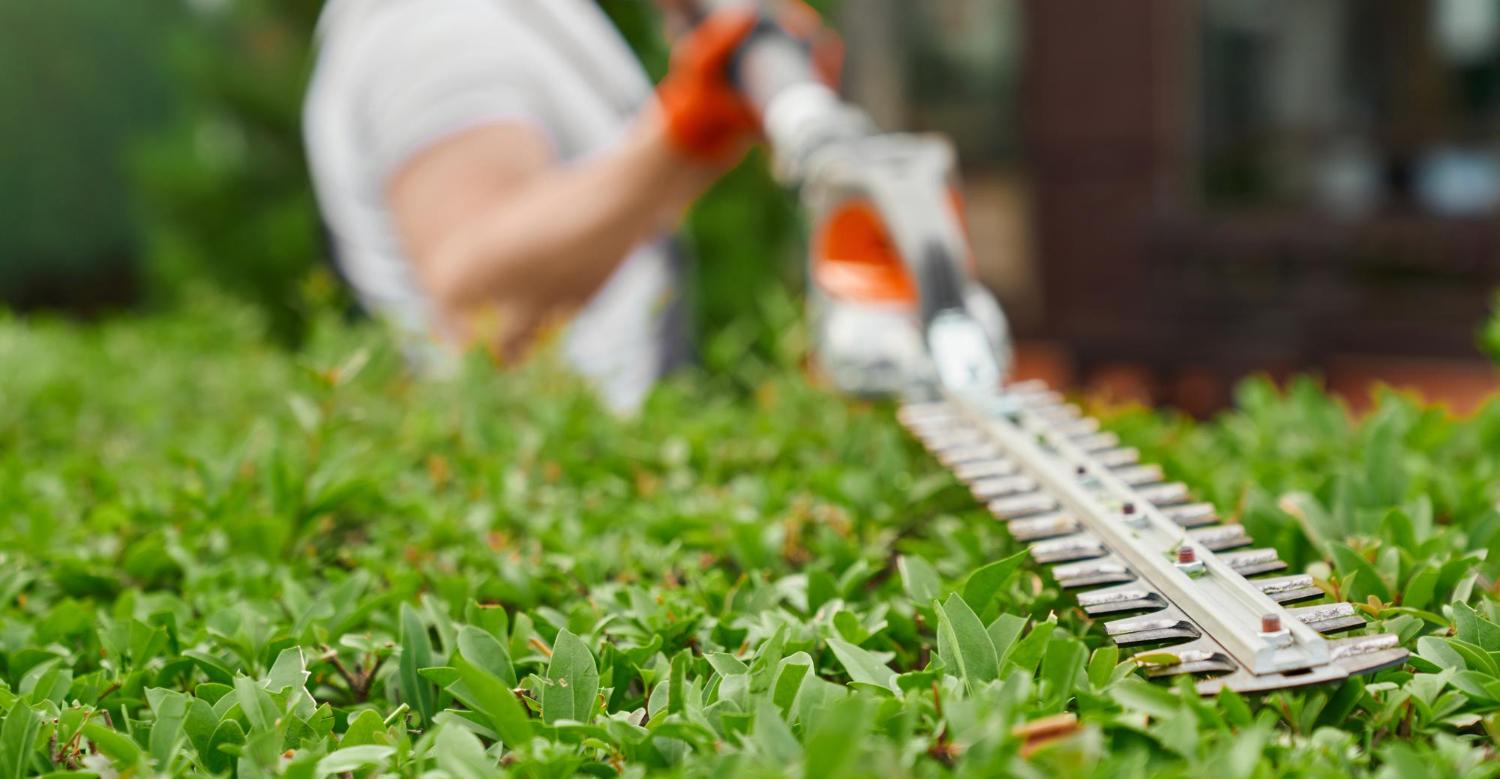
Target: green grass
218,558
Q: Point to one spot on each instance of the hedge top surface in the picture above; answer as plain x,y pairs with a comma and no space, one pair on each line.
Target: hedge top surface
220,559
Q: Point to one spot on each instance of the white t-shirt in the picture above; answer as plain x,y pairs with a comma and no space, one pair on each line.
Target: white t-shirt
395,76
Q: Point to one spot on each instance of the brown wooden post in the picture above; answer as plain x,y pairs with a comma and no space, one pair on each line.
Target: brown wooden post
1107,120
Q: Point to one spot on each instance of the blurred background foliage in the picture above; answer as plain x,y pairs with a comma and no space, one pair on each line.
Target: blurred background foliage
80,80
170,135
225,189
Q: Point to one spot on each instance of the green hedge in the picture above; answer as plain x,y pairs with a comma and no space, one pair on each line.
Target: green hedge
219,557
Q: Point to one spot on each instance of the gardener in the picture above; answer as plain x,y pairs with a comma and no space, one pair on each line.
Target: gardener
489,168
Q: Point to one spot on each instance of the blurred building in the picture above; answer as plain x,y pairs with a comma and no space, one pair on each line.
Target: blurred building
1198,189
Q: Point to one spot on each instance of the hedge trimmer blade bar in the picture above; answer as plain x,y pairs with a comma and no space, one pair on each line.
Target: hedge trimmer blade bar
1167,572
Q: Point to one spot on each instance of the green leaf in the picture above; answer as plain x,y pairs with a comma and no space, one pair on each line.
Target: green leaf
200,723
677,683
832,740
355,758
1144,696
416,652
1360,578
574,681
1248,748
787,682
124,752
920,579
1102,666
1027,653
1482,687
964,644
485,651
485,693
18,741
171,710
773,738
367,727
461,755
1004,631
821,588
214,668
1420,588
1235,710
1440,653
1062,668
289,671
726,664
1164,657
490,618
256,704
862,666
1343,703
1475,629
980,588
228,737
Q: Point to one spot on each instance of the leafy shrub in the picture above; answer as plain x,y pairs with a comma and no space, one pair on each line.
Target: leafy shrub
223,558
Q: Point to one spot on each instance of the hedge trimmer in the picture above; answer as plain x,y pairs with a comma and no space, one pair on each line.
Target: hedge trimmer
1131,541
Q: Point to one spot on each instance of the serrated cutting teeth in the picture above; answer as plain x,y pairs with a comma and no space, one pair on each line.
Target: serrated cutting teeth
1329,617
1163,568
970,453
1117,458
1097,442
1019,506
1081,546
984,469
1289,589
1140,475
1253,561
1092,574
1219,537
1046,526
1125,597
1168,624
1191,514
1002,487
1159,495
1079,427
955,440
1194,659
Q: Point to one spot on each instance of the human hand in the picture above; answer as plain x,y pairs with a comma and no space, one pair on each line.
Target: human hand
707,117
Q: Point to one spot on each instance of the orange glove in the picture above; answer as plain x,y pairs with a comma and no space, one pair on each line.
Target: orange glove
707,117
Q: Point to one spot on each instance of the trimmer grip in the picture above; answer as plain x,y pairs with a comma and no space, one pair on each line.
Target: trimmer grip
769,61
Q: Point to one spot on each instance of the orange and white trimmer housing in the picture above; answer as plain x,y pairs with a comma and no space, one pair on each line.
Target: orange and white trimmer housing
893,302
865,302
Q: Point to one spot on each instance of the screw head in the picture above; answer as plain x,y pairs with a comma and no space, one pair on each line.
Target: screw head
1270,623
1187,554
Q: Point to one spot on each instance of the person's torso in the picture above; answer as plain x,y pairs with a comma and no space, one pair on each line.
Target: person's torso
581,84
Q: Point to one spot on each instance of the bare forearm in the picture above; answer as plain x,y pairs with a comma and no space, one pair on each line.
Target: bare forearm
553,241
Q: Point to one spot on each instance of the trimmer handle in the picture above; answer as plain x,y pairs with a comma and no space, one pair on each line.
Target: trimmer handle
831,150
769,61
